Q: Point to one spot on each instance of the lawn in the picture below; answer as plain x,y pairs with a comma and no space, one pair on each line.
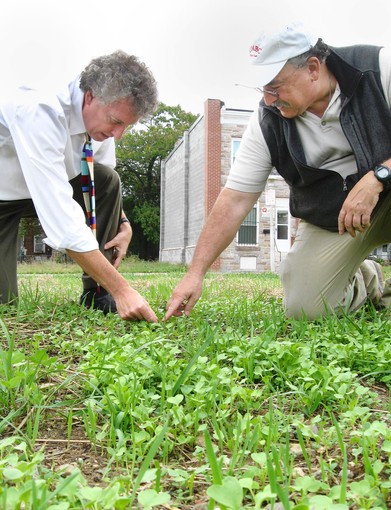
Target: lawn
234,407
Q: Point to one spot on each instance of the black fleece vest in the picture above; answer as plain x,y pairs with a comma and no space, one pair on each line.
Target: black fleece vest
316,195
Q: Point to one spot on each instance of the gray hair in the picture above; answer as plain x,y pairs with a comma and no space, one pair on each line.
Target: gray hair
119,76
321,51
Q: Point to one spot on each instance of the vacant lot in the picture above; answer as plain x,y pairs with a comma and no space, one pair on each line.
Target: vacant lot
234,407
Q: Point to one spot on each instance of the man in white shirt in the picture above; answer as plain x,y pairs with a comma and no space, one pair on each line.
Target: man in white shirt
41,140
324,123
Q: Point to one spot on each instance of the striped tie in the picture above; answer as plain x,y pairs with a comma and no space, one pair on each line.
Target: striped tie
88,186
88,183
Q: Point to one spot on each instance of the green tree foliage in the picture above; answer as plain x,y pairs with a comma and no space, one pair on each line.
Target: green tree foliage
139,157
29,226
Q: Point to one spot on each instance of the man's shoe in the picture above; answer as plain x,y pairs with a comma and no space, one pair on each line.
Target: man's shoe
98,299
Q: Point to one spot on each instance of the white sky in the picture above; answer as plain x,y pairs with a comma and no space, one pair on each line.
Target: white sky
197,49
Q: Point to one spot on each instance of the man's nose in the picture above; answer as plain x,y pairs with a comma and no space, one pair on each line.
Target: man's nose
118,131
269,98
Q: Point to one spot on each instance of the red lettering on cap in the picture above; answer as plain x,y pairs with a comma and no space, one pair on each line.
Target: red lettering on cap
255,50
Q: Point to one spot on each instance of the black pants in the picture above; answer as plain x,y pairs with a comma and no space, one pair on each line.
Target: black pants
108,213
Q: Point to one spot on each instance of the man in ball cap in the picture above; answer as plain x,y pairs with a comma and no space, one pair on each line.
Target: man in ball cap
324,123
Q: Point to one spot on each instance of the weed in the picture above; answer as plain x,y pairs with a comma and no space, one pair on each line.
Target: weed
234,407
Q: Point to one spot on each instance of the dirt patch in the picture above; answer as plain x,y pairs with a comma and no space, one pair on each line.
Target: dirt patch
77,452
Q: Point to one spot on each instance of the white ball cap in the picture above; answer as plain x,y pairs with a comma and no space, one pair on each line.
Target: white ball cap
271,50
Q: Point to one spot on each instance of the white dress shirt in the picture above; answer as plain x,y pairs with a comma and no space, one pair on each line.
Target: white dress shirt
41,139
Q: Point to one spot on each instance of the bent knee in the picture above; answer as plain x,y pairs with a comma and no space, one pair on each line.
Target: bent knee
298,306
303,296
106,175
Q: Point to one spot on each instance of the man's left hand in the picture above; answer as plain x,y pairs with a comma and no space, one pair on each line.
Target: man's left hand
355,215
119,244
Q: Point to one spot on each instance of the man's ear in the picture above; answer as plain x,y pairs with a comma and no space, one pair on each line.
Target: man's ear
88,97
313,65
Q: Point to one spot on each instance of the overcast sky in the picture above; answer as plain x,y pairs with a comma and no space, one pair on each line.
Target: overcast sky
197,49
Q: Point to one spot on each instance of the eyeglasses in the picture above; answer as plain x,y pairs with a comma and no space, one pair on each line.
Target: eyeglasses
262,90
271,92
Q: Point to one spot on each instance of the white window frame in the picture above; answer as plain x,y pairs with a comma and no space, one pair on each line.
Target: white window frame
283,245
235,144
39,245
256,207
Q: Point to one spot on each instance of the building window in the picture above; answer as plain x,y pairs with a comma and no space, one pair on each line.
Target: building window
282,225
248,263
39,245
382,252
234,149
248,231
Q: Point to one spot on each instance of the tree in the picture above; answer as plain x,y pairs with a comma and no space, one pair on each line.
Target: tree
139,157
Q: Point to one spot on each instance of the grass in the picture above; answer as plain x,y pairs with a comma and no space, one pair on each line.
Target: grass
235,407
131,264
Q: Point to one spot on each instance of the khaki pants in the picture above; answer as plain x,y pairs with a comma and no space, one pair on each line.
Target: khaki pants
108,213
325,272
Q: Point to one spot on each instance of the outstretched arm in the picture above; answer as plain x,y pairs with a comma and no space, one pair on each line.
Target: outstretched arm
230,208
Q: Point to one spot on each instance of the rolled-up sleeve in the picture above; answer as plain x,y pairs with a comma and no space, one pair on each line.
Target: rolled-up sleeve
41,138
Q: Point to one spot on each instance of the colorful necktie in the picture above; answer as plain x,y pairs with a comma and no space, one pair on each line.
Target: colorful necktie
88,183
88,186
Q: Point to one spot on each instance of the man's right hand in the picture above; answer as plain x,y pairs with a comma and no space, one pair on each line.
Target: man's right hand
132,306
228,212
184,296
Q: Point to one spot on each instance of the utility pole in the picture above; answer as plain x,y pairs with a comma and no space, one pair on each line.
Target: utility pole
270,200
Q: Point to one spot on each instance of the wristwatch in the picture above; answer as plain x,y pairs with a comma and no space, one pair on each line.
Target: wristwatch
383,174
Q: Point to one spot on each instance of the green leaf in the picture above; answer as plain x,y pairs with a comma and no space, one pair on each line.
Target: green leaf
91,493
110,496
259,458
325,503
175,400
386,447
193,360
377,466
150,498
230,493
248,483
13,497
264,495
216,472
360,488
12,473
141,437
8,441
307,484
148,459
69,485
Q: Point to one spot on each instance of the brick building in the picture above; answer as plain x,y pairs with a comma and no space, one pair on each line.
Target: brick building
192,177
31,245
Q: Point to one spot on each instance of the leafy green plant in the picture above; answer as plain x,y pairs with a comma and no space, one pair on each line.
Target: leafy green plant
235,406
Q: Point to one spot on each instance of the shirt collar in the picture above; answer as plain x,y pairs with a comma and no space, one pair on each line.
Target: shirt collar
76,122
